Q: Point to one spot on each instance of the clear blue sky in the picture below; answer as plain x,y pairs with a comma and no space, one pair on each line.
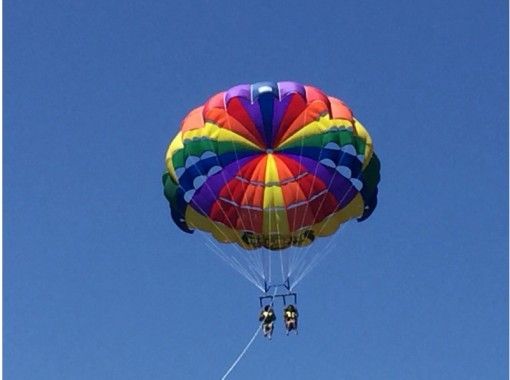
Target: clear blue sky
99,283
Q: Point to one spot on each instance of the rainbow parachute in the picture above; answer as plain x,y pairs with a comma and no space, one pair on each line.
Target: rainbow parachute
270,165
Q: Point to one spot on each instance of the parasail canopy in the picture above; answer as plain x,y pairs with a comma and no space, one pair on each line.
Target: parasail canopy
270,165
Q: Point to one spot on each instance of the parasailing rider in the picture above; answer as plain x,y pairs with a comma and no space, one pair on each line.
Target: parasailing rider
267,318
290,317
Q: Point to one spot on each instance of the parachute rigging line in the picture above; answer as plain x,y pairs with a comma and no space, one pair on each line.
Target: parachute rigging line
232,261
248,272
253,268
307,262
308,266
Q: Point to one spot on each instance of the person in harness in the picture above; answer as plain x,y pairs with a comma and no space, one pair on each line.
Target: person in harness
267,318
290,317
